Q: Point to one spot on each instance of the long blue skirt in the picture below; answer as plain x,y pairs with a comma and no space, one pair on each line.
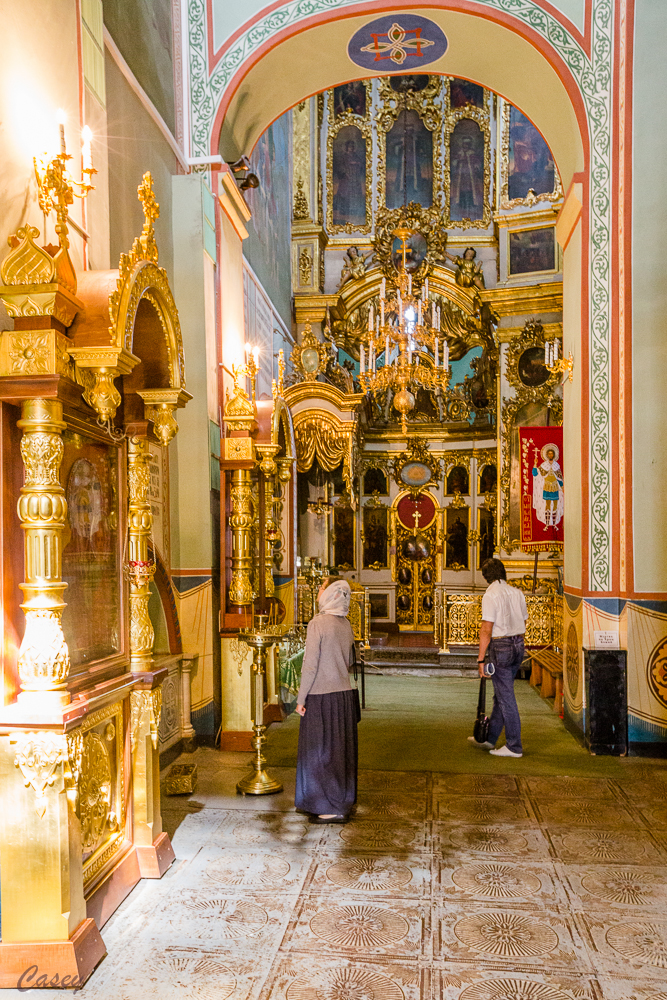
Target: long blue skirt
326,767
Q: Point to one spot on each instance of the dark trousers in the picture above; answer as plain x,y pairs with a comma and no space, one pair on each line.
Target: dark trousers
507,655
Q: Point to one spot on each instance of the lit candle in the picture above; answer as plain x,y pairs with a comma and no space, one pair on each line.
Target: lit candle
437,351
361,359
248,351
62,118
255,356
86,149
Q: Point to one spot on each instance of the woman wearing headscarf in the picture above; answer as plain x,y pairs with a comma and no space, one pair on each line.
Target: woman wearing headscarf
326,770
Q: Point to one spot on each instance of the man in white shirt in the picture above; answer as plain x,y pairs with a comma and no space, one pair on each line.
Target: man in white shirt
504,616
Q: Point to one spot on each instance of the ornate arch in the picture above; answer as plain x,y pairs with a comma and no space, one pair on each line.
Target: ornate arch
321,435
144,279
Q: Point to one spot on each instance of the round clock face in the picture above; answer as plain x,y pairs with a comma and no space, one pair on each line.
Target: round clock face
416,474
310,359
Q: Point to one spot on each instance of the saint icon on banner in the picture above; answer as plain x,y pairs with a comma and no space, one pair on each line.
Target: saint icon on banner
548,487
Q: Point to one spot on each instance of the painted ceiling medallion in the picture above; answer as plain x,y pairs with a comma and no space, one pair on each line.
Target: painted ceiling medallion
397,41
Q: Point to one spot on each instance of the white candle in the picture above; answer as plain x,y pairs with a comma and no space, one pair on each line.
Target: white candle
445,354
361,359
400,309
426,289
556,346
383,287
377,325
409,284
386,349
410,357
86,150
437,351
382,310
61,118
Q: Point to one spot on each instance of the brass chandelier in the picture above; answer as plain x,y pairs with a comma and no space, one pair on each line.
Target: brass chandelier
407,326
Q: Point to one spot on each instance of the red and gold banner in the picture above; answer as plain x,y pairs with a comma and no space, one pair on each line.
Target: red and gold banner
541,488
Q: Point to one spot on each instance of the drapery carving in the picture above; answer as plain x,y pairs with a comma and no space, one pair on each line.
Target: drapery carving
321,436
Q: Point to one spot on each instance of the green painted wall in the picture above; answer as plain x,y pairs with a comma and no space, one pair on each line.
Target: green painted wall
142,31
135,145
649,294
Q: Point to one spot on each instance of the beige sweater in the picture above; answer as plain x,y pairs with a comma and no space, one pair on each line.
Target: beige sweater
327,657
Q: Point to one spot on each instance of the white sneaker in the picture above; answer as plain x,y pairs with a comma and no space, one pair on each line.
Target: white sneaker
480,746
504,752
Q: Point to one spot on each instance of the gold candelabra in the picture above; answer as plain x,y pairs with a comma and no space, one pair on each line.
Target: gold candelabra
556,365
56,188
401,330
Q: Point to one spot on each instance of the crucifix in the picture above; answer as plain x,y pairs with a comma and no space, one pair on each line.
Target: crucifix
416,516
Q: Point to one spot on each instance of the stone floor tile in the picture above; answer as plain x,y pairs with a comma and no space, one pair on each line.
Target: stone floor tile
360,929
390,806
632,944
585,814
490,841
231,870
379,836
475,784
627,888
498,881
243,828
504,937
303,977
567,788
629,988
456,982
654,816
480,809
368,876
605,846
399,781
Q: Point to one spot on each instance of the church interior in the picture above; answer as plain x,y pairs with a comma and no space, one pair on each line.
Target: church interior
399,269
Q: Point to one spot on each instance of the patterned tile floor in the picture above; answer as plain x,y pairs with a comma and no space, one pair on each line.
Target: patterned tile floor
443,887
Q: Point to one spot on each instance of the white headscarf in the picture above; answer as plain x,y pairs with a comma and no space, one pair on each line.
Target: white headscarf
335,600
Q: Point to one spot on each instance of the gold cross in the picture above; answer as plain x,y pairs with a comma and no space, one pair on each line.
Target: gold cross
416,516
151,212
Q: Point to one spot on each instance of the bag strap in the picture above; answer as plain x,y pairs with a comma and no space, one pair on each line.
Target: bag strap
354,661
481,701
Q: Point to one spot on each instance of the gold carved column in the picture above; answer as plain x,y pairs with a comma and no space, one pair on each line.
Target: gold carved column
41,870
241,522
43,659
140,569
154,850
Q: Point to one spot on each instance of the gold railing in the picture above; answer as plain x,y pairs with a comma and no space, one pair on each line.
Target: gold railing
359,614
457,619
